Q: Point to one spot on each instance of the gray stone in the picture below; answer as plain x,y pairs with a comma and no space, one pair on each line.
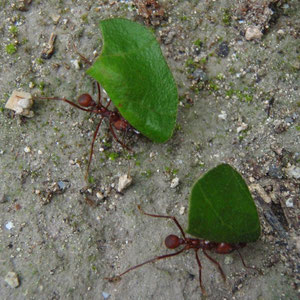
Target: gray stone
12,279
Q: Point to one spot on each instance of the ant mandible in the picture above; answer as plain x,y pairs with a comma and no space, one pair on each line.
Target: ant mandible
86,103
173,241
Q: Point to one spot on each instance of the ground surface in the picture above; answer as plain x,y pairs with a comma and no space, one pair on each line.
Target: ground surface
239,103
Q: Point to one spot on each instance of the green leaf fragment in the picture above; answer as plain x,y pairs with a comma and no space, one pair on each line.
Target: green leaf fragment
11,49
134,73
222,209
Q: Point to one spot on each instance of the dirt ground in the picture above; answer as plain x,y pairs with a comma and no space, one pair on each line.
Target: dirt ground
236,64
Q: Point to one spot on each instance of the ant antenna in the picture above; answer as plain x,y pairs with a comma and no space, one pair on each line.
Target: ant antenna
81,56
165,217
117,277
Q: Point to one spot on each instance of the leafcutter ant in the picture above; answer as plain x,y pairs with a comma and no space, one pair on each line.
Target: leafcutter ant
173,241
86,103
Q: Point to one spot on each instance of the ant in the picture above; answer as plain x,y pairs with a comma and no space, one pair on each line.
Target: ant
173,241
86,103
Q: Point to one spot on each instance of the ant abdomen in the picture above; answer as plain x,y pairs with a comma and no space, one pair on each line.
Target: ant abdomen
172,241
86,100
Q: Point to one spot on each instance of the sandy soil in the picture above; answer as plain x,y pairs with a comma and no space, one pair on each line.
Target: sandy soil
239,103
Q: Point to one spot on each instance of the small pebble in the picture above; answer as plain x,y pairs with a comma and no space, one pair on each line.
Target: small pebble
170,37
222,115
260,190
3,198
228,260
289,120
99,195
12,279
199,75
251,179
9,225
27,149
182,210
152,154
275,172
280,31
55,18
124,182
223,50
174,182
76,64
293,171
280,126
252,33
105,295
21,103
289,202
242,127
61,185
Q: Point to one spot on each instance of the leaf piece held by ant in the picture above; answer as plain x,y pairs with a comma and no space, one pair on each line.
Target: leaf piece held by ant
134,73
222,209
21,103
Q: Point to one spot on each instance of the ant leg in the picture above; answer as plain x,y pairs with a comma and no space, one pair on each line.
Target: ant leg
65,100
99,94
92,148
117,277
81,56
200,268
216,263
99,97
165,217
247,267
116,138
108,104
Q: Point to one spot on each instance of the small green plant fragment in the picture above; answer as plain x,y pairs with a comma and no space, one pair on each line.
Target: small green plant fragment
13,30
198,43
222,209
41,85
84,18
148,173
134,73
226,17
242,95
11,49
112,155
91,180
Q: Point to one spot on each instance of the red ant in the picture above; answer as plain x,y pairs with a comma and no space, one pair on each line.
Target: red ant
86,103
173,241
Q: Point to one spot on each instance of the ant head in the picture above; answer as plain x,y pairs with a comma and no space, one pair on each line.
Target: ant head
172,241
86,100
